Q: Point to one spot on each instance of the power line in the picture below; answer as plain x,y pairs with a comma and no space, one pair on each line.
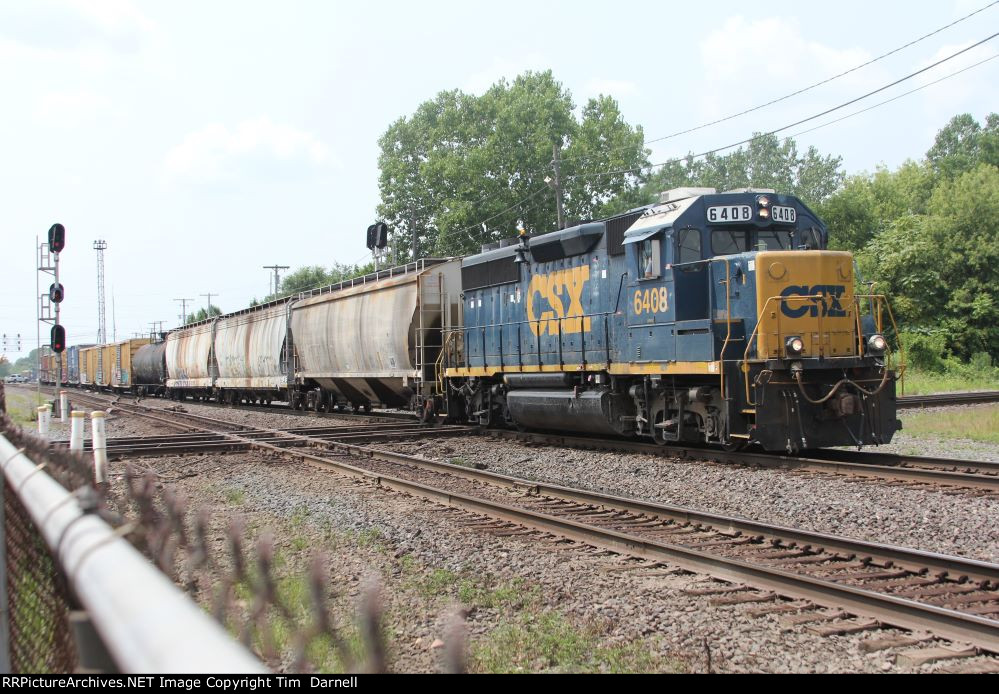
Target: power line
896,98
799,122
809,87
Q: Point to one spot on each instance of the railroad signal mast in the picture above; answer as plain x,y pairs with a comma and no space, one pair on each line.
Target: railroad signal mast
48,262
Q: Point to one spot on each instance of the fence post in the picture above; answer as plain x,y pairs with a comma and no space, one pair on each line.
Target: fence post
43,419
63,405
100,444
76,423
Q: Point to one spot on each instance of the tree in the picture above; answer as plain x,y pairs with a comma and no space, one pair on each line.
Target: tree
202,314
767,162
940,268
460,160
962,144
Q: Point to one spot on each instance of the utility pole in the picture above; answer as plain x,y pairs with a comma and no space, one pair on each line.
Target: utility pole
100,245
209,310
183,310
277,276
557,184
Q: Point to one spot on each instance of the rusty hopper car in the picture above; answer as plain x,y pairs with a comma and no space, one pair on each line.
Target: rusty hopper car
188,354
149,369
375,340
251,354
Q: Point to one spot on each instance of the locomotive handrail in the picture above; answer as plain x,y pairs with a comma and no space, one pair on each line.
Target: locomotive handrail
878,299
756,328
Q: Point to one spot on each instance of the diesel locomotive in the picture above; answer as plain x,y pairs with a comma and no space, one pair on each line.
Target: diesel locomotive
714,318
718,318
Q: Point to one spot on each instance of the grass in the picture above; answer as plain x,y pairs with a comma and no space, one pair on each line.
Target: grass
550,642
926,382
279,635
476,590
235,496
974,423
21,406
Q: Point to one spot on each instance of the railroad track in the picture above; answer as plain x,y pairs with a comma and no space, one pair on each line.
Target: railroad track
958,475
964,475
941,399
829,584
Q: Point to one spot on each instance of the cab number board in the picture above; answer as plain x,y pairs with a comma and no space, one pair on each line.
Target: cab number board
783,214
720,214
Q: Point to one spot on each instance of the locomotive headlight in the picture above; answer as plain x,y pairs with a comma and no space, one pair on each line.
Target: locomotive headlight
794,346
763,201
764,213
876,344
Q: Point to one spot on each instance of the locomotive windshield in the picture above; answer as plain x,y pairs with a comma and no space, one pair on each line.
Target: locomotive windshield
733,240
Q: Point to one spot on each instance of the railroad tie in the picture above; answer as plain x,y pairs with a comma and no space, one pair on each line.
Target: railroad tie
921,656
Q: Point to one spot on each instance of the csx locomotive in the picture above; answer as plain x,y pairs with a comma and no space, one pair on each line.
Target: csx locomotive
708,317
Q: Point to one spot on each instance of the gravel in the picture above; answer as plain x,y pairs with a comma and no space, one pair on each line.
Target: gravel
629,603
643,606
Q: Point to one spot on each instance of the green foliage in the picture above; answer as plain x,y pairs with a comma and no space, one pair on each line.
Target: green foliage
925,350
460,159
767,162
6,368
550,642
201,314
963,144
941,268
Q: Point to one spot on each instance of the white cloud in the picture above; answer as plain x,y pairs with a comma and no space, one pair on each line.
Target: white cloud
772,47
218,153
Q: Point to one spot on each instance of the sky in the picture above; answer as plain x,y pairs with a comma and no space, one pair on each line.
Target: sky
205,140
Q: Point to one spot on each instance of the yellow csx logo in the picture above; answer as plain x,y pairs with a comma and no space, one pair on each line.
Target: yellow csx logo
552,288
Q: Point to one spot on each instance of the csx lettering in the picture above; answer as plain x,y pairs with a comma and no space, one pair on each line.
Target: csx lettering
826,296
557,289
650,301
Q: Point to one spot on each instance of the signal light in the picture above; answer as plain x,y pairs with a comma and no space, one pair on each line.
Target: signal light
57,238
58,340
57,293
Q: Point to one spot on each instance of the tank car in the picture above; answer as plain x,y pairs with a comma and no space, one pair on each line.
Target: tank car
709,317
149,369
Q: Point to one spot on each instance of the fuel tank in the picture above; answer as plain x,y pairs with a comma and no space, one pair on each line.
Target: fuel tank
590,411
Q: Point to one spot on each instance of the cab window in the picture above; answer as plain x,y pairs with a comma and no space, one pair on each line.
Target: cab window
774,240
688,246
649,259
729,241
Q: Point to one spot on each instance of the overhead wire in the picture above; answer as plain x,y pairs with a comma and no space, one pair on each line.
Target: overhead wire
796,123
809,87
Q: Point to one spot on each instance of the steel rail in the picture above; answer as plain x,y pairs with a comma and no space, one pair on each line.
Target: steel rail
938,471
941,399
766,460
889,609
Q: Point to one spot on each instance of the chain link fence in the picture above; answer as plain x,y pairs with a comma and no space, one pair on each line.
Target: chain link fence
240,575
38,603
